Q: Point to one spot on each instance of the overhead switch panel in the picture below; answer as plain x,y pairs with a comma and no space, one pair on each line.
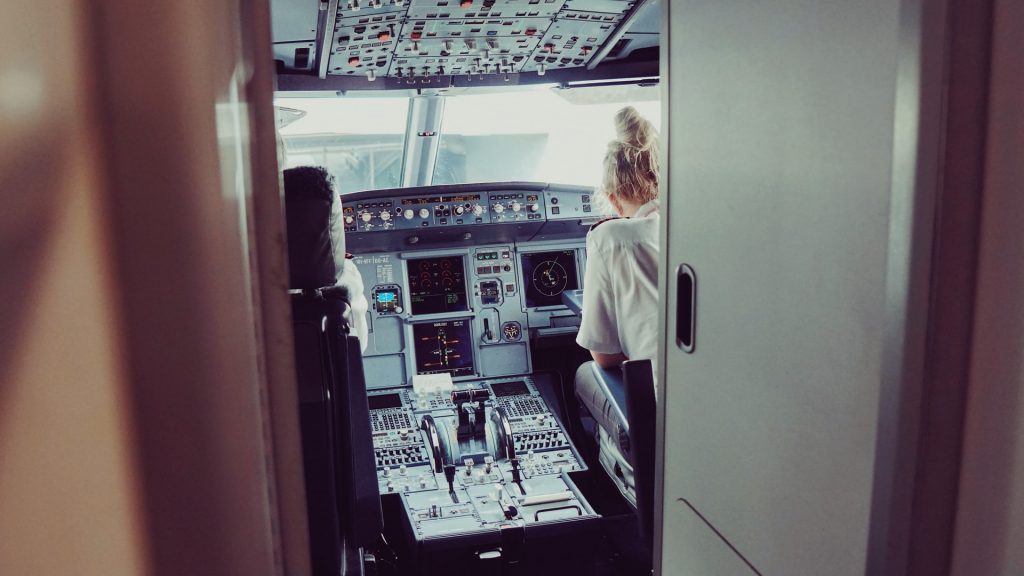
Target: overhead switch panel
428,40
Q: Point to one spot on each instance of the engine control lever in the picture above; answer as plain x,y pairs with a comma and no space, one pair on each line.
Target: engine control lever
449,474
517,476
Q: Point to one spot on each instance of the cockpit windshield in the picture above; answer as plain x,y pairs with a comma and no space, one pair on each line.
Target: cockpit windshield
538,133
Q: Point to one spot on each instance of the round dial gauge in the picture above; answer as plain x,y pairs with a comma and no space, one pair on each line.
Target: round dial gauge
550,278
512,331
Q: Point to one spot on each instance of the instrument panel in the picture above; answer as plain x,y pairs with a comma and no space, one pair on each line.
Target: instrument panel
466,299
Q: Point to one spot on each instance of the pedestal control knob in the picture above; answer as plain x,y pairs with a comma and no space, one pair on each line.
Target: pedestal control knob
460,210
499,208
408,214
424,213
384,215
534,207
478,210
516,206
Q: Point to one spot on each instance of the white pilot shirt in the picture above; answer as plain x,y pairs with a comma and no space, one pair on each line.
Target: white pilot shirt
620,287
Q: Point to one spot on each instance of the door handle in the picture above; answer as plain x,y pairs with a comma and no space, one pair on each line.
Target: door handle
686,308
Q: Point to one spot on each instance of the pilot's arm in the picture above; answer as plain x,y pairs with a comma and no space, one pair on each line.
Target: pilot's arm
347,275
599,330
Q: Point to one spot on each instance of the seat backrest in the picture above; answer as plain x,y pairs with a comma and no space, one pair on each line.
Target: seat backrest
638,376
342,495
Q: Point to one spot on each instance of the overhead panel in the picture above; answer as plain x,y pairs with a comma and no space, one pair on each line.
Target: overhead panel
429,9
430,40
572,40
364,40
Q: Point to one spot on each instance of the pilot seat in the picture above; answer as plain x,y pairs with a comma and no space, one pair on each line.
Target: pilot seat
615,398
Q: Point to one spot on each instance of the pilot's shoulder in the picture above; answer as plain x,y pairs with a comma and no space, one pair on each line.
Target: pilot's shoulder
602,221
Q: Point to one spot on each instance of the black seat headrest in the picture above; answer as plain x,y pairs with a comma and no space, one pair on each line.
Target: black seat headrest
316,237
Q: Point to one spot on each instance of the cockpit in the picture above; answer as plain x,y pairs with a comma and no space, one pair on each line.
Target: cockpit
465,141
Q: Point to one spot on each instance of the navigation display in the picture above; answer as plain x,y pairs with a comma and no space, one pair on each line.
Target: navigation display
444,347
547,275
437,285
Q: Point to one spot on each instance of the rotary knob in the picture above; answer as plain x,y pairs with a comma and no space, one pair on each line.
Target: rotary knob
424,213
534,207
499,208
459,210
349,220
516,206
366,216
385,215
478,210
408,214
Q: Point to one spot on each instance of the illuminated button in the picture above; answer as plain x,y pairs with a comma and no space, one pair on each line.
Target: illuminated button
424,213
466,4
366,216
516,206
384,36
408,214
353,61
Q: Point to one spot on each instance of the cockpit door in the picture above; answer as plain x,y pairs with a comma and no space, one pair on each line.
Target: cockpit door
780,230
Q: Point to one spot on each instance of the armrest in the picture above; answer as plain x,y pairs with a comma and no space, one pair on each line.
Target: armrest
573,300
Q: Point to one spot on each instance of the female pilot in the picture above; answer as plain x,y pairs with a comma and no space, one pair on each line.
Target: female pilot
620,296
620,290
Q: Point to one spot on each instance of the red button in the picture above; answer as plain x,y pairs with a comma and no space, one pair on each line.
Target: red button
353,61
466,4
416,35
384,36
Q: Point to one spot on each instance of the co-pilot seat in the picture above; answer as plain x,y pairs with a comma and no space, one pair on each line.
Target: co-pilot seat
602,393
622,402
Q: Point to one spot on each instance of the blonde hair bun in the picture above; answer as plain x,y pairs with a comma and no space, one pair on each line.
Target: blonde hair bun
631,164
633,129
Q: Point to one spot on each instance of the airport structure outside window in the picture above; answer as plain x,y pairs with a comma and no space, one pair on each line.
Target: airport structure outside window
539,134
536,134
358,140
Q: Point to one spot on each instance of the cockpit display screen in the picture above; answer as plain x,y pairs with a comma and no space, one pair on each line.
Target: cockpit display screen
437,285
444,347
547,275
382,401
517,388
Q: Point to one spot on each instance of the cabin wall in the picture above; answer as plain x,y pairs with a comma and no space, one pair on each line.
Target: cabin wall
990,517
70,478
134,434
